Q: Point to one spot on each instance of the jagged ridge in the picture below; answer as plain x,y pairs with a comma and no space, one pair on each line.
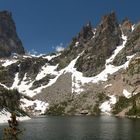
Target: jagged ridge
88,77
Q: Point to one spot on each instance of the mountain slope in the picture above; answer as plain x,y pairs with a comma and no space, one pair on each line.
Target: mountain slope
97,73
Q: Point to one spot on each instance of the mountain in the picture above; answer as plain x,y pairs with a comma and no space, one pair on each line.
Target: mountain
9,40
98,73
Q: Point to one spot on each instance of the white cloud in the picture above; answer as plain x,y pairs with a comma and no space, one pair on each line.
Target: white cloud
33,52
59,47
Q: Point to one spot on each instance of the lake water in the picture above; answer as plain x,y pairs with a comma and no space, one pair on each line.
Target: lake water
80,128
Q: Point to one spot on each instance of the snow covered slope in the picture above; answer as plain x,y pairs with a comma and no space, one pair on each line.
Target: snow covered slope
78,80
97,65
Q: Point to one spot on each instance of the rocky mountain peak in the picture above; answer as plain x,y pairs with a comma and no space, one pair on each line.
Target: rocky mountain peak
126,26
101,46
109,23
108,18
86,33
108,31
126,22
9,40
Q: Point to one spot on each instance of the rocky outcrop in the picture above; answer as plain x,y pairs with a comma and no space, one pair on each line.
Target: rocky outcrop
9,40
132,73
85,34
31,67
132,46
99,48
126,27
75,47
7,74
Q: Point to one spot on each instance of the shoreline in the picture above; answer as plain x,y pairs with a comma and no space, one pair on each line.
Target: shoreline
4,119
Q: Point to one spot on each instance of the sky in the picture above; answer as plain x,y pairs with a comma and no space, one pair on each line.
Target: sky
45,26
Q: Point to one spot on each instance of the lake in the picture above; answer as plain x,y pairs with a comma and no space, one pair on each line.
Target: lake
80,128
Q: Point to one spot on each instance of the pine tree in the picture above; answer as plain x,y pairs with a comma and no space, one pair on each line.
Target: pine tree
12,132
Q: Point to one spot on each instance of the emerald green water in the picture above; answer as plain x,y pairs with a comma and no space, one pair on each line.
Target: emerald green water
80,128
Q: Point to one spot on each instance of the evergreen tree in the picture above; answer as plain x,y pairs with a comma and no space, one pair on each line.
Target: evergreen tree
12,132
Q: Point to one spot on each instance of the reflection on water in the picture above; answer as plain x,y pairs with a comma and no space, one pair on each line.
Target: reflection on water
81,128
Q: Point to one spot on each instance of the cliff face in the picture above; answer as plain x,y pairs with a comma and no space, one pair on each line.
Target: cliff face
9,40
100,47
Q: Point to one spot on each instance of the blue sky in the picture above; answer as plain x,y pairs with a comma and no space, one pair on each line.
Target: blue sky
44,25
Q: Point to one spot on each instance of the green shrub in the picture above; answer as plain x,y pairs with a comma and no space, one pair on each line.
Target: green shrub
102,97
96,110
133,112
121,104
57,109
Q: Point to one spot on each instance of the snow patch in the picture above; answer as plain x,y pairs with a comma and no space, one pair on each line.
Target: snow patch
50,57
133,27
118,49
109,85
128,94
5,116
27,56
4,86
38,105
16,81
106,107
46,69
24,86
94,32
77,44
8,62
